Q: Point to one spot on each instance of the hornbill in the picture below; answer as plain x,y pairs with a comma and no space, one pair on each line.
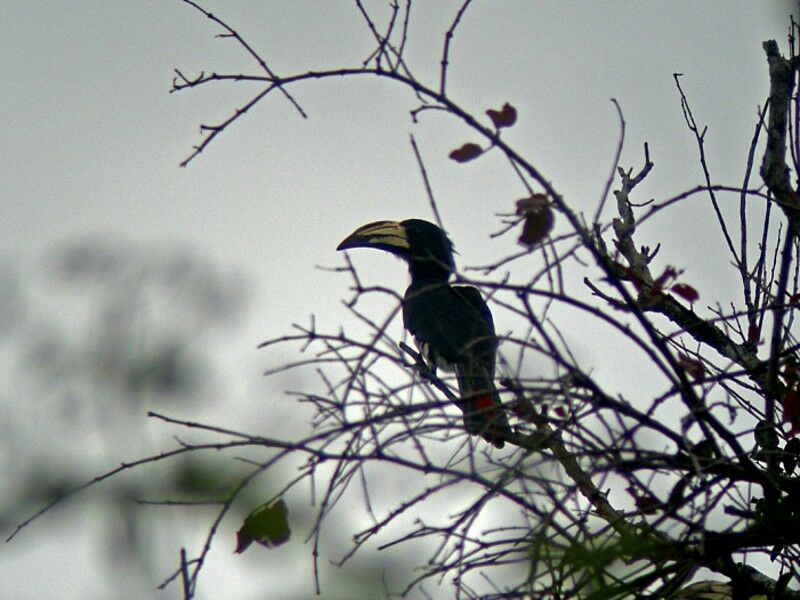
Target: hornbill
451,324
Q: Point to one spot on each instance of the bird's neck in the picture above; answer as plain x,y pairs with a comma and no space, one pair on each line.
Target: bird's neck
429,272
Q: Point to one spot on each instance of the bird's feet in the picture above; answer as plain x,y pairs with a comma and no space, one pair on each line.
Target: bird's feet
426,372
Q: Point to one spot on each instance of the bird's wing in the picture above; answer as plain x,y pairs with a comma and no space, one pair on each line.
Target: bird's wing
474,298
456,324
454,321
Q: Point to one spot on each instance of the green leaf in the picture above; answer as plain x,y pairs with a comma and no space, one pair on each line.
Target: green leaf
267,525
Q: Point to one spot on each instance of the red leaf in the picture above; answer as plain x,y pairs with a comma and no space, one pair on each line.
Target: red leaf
466,153
538,219
794,298
559,410
686,292
505,117
753,333
692,366
791,410
668,275
531,204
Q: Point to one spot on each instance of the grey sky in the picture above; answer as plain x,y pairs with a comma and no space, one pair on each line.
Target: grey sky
91,140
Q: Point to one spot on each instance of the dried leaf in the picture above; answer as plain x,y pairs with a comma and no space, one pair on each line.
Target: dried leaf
267,525
466,153
662,280
686,292
693,367
791,410
538,219
505,117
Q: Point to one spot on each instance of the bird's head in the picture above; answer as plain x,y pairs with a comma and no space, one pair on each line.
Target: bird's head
424,246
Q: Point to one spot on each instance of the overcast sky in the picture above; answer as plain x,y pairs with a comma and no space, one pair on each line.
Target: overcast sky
91,140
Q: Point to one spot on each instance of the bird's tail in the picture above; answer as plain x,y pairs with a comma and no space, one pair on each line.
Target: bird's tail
480,402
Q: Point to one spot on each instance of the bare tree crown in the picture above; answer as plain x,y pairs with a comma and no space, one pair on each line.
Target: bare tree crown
595,494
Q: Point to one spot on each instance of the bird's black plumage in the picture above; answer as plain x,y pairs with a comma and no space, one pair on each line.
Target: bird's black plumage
452,325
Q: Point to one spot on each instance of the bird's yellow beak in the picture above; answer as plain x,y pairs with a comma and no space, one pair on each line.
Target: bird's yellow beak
384,235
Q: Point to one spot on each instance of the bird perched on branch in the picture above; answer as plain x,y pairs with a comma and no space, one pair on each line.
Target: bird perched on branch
451,324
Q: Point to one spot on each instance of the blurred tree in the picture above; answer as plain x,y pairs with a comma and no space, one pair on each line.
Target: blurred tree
119,329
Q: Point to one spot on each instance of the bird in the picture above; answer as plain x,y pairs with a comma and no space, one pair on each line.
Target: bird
451,324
